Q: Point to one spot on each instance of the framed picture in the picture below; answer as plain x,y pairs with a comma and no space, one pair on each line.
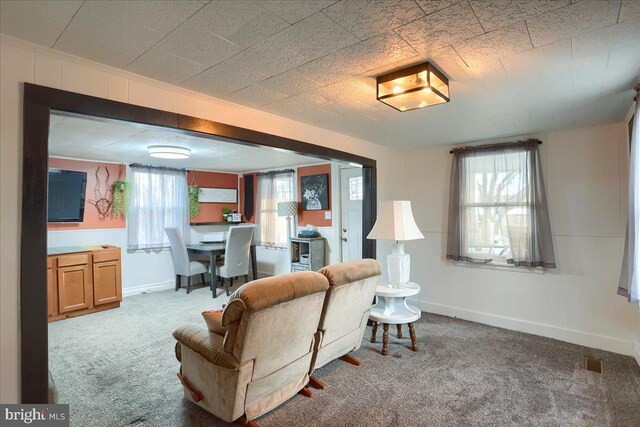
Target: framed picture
218,195
315,192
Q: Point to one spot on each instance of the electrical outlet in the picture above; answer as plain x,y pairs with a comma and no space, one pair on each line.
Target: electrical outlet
327,215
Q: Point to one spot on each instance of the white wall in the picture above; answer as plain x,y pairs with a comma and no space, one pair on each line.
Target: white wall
585,174
24,62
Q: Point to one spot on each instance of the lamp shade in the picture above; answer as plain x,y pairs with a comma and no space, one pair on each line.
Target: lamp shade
395,222
287,208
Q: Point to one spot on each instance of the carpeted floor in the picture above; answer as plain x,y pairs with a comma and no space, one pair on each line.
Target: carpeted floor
117,368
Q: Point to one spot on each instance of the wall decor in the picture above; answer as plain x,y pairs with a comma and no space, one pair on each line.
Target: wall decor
315,192
218,195
102,201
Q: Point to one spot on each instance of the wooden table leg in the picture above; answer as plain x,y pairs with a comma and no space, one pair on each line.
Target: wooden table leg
412,332
399,327
254,262
374,331
385,338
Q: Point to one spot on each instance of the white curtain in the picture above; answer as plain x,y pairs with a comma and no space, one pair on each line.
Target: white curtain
158,200
498,210
629,277
272,189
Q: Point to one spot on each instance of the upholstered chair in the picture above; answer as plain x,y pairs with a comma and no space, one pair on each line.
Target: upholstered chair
236,255
352,287
256,353
182,264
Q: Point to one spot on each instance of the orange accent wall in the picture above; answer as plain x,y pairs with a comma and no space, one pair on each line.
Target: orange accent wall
92,219
314,217
212,212
251,220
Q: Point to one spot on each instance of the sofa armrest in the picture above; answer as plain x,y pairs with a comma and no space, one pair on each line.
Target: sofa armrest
207,344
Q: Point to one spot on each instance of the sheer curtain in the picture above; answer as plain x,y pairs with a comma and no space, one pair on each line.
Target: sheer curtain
272,189
498,208
158,199
629,284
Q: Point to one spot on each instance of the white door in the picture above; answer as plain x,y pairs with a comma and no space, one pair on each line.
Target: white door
351,213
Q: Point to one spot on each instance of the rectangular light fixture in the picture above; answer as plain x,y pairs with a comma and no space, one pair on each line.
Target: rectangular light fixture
411,88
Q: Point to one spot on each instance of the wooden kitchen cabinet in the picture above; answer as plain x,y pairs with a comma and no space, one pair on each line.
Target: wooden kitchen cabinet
83,283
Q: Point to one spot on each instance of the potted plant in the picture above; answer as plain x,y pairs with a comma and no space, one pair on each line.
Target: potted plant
225,213
120,203
194,203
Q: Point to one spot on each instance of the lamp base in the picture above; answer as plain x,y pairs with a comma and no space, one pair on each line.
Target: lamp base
398,266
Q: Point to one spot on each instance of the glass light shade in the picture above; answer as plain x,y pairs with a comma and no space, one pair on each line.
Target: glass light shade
415,87
168,152
287,208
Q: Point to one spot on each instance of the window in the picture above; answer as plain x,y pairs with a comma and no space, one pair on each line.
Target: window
158,200
355,188
272,189
498,209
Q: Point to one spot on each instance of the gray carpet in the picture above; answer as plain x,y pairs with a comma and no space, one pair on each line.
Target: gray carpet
117,368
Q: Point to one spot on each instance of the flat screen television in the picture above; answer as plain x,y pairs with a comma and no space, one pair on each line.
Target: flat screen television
66,195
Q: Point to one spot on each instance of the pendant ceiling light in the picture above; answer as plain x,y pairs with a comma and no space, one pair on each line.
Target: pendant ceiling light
415,87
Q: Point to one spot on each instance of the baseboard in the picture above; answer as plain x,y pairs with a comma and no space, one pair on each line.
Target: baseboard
569,335
151,287
636,351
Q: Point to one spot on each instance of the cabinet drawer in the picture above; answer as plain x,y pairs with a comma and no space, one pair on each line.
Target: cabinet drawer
77,259
106,255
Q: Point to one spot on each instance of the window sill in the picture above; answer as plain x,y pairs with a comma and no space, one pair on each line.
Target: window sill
500,266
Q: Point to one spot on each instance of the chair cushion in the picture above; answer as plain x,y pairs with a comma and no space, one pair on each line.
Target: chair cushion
263,293
213,318
352,271
198,267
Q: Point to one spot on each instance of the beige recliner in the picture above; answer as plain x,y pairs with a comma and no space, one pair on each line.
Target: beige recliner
344,318
262,349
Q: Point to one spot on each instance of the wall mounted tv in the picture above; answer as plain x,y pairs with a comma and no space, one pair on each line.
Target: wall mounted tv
66,195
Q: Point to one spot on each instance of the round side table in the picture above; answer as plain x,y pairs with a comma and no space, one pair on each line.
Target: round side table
392,309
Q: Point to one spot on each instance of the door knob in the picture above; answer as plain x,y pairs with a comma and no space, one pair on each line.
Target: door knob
344,230
344,239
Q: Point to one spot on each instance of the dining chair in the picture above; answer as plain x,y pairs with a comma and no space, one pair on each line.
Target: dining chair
182,264
236,255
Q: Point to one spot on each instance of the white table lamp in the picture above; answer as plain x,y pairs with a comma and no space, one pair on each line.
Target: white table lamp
395,222
288,209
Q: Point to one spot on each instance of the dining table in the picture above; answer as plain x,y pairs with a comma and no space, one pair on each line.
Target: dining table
215,251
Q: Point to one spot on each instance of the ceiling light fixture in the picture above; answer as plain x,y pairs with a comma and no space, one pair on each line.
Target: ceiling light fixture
168,152
415,87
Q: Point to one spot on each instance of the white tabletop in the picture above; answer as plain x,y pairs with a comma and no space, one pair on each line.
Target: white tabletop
389,292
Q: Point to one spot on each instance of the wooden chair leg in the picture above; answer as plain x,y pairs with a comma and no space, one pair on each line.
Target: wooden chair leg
385,338
399,328
374,331
177,282
246,278
244,421
204,281
188,284
225,282
412,333
316,383
195,394
350,359
305,392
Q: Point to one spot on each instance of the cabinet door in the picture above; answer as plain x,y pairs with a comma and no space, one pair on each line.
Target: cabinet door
106,282
74,288
52,293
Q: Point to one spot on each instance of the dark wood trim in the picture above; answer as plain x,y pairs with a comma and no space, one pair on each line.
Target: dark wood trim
38,101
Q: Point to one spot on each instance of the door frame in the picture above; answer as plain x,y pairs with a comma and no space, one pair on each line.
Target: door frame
38,102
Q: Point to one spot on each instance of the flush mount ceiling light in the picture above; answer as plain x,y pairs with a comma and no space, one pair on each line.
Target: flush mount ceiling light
168,152
415,87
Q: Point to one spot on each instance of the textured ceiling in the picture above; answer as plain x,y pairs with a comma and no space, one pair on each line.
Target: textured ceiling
87,138
515,67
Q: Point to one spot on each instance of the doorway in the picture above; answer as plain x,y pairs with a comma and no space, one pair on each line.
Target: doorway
351,185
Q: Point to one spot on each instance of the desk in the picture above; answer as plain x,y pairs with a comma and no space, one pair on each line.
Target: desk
214,250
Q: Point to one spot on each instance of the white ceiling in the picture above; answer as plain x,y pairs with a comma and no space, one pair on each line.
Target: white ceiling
515,67
81,137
